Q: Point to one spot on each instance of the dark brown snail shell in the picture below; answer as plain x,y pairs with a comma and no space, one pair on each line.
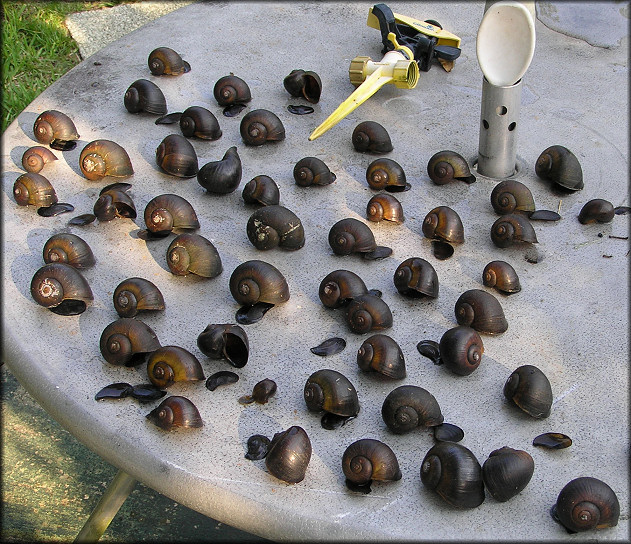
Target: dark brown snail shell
275,226
34,189
461,350
230,90
135,295
597,210
587,503
176,156
225,341
102,158
289,455
339,287
56,129
261,190
70,249
369,459
261,392
512,196
529,389
312,171
381,353
304,84
257,281
114,203
443,223
35,158
384,206
507,472
416,278
408,407
221,177
163,61
372,137
61,288
447,166
191,253
559,165
481,311
386,174
452,471
511,229
145,96
195,122
366,313
126,341
501,276
175,412
330,391
166,212
350,235
169,364
260,126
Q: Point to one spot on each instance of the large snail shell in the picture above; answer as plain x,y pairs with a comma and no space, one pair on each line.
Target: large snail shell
260,126
339,287
164,213
225,341
443,223
191,253
511,229
170,364
351,236
369,459
305,84
231,90
587,503
372,137
135,295
275,226
261,190
289,455
461,350
199,122
507,472
102,158
384,206
446,166
114,203
61,288
221,177
34,189
56,129
257,281
36,157
381,353
529,388
330,391
452,471
386,174
366,313
144,95
597,211
511,196
126,341
560,165
415,278
481,311
174,412
408,407
68,248
312,171
176,156
501,276
165,61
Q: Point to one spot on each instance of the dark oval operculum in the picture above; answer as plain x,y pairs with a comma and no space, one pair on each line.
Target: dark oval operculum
126,341
339,287
481,311
597,210
304,84
191,253
559,165
381,353
134,295
166,212
529,388
312,171
176,156
145,96
56,129
225,341
275,226
330,391
35,158
461,350
368,459
61,288
68,248
366,313
384,206
175,412
416,278
446,166
169,364
408,407
164,61
502,276
386,174
260,126
261,190
507,472
34,189
372,137
221,177
230,90
289,455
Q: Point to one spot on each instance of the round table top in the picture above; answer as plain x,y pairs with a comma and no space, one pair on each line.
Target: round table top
569,319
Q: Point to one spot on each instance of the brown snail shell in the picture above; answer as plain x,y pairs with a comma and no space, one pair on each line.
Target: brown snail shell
481,311
36,157
312,171
230,90
135,295
381,353
163,61
70,249
61,288
166,212
529,388
191,253
260,126
195,122
126,341
384,206
512,196
145,96
257,281
261,392
275,226
225,341
176,156
408,407
368,459
501,276
221,177
350,235
175,412
289,455
304,84
416,278
114,203
372,137
511,229
559,165
261,190
56,129
330,391
386,174
443,223
102,158
339,287
596,210
366,313
447,166
507,472
34,189
461,350
452,471
169,364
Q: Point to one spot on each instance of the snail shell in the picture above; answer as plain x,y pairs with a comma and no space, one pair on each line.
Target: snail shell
36,157
529,388
501,276
384,206
195,122
512,196
511,229
408,407
481,311
447,166
102,158
452,471
372,137
261,190
176,156
231,90
191,253
114,203
330,391
339,287
312,171
305,84
461,350
175,411
560,165
257,281
416,278
126,341
386,174
145,96
367,313
164,213
289,455
34,189
68,248
221,177
56,129
587,503
443,223
135,295
260,126
369,459
61,288
169,364
351,236
381,353
275,226
225,341
597,211
163,61
507,472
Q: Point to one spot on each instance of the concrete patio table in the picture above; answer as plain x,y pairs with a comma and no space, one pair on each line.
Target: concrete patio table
570,319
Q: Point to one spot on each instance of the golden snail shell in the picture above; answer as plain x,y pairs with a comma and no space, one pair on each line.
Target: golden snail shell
176,156
260,126
175,412
257,281
386,174
372,137
190,253
512,196
305,84
68,248
56,129
381,353
501,276
461,350
312,171
330,391
230,90
560,165
596,210
145,96
135,295
275,226
164,213
446,166
386,207
126,341
511,229
102,158
339,287
481,311
225,341
261,190
289,455
36,157
368,459
169,364
443,223
223,176
61,288
367,313
529,389
507,472
408,407
416,278
165,61
34,189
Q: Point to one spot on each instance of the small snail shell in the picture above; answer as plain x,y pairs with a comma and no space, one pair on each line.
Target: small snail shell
166,212
481,311
225,341
408,407
169,364
443,223
260,126
511,229
351,236
330,391
114,203
367,313
68,248
381,353
386,174
175,411
446,166
384,206
190,253
126,341
165,61
261,190
102,158
596,211
372,137
231,90
501,276
560,165
461,350
257,281
512,196
135,295
339,287
587,503
312,171
369,459
289,455
529,388
452,471
305,84
507,472
261,392
34,189
56,129
195,122
176,156
36,157
61,288
275,226
221,177
145,96
416,278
